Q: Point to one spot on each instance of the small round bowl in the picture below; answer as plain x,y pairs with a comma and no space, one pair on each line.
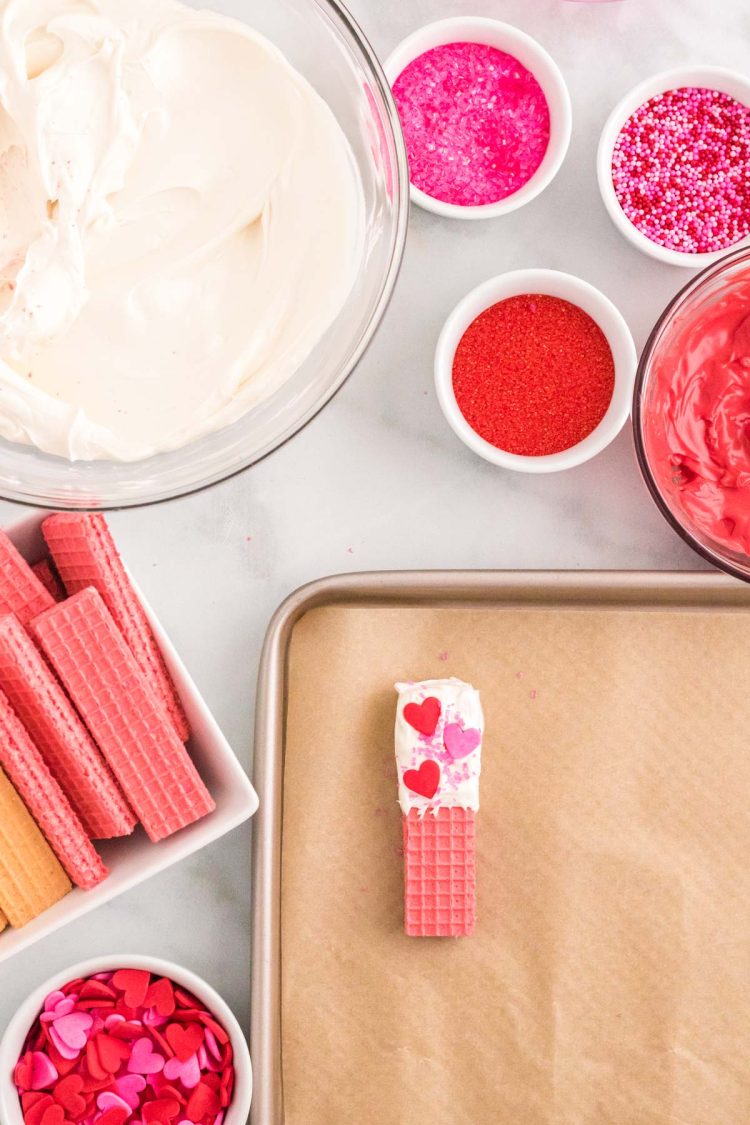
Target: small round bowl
15,1033
552,284
533,56
707,77
711,284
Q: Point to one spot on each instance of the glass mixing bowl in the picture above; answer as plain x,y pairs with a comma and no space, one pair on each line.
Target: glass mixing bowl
323,42
667,481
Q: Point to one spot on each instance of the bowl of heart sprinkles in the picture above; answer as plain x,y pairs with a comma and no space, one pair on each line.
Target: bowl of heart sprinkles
124,1041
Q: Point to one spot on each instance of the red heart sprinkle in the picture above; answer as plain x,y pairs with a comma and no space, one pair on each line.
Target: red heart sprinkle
97,990
185,999
111,1052
68,1094
184,1041
164,1090
217,1029
33,1112
202,1101
61,1065
425,780
161,1112
23,1072
125,1030
134,983
113,1116
95,1068
161,996
160,1041
423,716
53,1115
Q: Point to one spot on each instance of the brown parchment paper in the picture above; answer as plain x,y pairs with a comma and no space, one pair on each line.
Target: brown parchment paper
608,981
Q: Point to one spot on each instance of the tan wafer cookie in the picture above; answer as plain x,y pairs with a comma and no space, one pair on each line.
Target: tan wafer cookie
3,921
31,879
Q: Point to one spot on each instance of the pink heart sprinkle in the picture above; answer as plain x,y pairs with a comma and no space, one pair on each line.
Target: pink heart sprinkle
43,1071
63,1008
129,1087
189,1073
151,1018
108,1100
143,1059
73,1029
213,1046
113,1019
67,1052
459,742
53,1000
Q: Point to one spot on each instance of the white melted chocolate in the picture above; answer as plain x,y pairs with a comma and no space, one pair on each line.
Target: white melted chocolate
180,222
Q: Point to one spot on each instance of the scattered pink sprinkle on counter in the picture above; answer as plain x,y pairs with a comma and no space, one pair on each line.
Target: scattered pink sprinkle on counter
681,170
475,120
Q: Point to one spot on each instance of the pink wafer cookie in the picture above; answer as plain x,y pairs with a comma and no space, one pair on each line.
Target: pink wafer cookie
440,873
85,555
49,579
21,591
128,722
60,737
46,801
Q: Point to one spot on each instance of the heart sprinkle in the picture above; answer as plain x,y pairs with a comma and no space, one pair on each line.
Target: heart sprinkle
459,742
123,1048
425,781
423,716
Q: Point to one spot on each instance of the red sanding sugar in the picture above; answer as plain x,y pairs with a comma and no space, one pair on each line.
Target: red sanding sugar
533,375
475,120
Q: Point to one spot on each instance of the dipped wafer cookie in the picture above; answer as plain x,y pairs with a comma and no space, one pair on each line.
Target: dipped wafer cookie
60,737
85,555
21,591
127,720
439,731
31,878
46,801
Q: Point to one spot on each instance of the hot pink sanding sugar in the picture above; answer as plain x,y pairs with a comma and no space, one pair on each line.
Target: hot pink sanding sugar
475,120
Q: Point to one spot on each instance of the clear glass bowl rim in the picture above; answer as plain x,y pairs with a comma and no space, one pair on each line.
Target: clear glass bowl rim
711,271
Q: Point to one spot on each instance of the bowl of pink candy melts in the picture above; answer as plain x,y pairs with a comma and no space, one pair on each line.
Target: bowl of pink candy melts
124,1040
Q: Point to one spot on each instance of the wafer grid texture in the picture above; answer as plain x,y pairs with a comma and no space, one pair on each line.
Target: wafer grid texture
60,737
46,575
46,801
31,879
123,714
85,555
21,592
440,873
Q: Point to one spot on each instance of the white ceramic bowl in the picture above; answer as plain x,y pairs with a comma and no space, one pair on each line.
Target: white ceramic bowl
134,859
493,33
15,1033
553,284
708,77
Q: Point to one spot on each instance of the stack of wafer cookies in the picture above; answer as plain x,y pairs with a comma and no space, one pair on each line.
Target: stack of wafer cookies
91,727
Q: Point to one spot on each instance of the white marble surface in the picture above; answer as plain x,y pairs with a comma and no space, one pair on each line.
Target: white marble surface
379,481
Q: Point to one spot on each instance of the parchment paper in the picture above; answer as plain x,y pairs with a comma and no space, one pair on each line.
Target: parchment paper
608,978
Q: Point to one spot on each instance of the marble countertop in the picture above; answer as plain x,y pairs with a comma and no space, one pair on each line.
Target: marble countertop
379,481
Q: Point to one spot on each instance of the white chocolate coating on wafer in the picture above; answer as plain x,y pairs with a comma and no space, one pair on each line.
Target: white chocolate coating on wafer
180,222
455,744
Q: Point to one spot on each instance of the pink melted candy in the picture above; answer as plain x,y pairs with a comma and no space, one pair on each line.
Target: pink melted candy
476,123
697,425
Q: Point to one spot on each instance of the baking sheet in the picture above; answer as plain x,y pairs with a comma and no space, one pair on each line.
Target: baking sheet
608,979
